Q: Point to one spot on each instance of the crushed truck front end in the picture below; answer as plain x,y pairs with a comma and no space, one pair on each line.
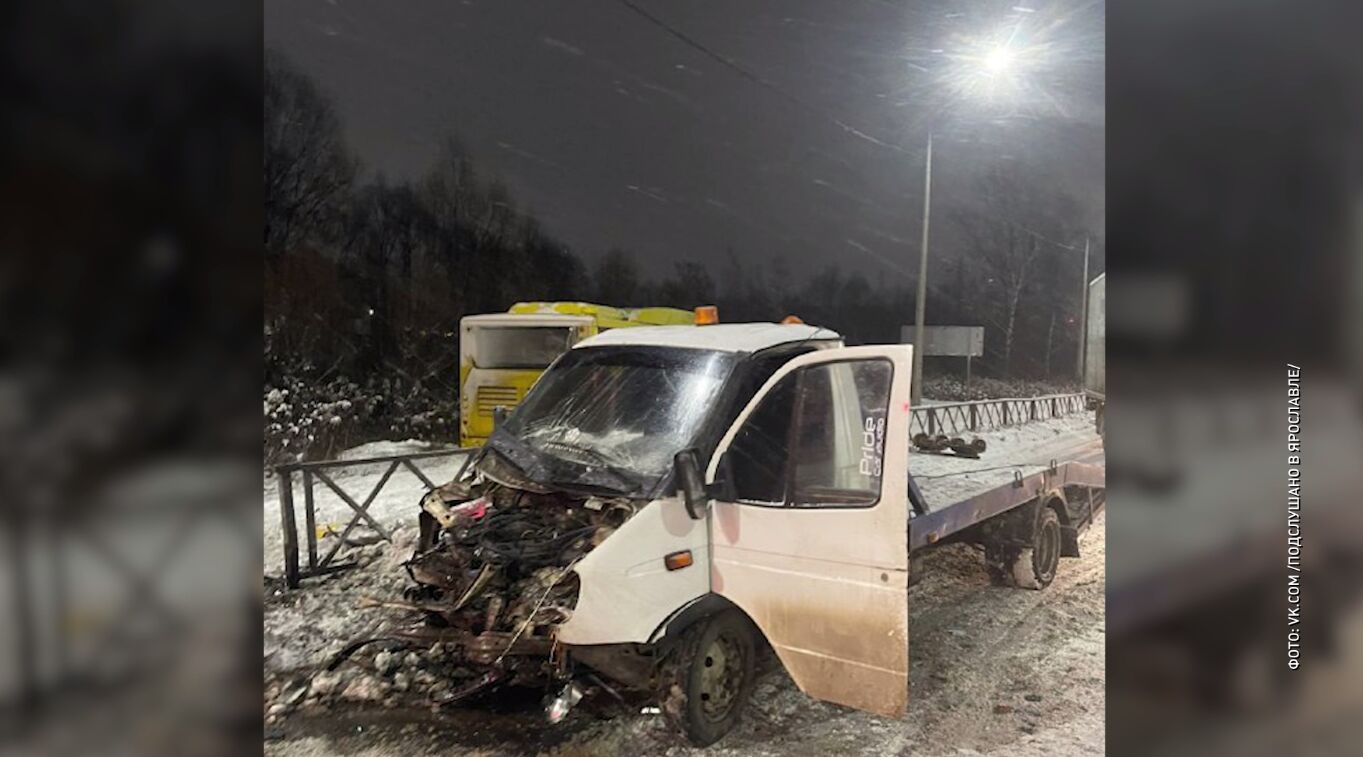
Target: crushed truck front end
559,534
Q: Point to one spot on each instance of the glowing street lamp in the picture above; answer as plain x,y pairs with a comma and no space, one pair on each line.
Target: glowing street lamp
977,74
998,60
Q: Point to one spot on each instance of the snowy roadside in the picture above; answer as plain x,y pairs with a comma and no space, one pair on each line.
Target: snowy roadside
396,504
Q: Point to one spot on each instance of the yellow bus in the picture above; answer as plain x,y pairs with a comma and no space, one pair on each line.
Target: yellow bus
501,355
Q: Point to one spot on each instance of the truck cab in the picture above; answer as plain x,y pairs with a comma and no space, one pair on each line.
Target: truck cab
667,500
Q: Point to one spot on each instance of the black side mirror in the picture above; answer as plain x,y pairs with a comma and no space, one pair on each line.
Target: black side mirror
499,414
691,482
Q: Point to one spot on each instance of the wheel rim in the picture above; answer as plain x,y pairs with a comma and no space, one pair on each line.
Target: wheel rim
1048,550
721,672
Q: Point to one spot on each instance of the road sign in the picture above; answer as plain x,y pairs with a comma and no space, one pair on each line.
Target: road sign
947,341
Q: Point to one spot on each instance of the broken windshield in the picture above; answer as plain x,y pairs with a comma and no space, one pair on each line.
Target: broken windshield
625,411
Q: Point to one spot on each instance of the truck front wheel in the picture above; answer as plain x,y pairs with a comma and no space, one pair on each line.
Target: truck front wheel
711,677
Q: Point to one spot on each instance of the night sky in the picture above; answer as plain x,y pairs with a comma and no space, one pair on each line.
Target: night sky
790,129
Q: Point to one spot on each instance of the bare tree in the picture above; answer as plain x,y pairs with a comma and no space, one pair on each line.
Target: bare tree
689,285
1019,219
453,188
452,193
308,170
379,234
617,278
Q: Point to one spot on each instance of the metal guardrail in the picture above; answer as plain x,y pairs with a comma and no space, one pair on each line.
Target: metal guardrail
954,418
317,471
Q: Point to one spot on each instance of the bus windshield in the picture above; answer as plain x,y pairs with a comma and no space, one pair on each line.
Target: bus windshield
497,347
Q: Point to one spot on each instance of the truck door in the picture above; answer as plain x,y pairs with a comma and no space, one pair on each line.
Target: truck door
810,537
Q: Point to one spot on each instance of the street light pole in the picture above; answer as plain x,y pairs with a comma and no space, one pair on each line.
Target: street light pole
921,305
1083,311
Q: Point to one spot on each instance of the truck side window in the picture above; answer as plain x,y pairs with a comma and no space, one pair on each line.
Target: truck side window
840,434
758,454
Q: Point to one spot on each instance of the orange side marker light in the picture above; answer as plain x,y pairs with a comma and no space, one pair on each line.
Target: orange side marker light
678,560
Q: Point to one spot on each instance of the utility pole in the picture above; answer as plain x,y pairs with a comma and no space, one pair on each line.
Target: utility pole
1083,312
1050,332
921,305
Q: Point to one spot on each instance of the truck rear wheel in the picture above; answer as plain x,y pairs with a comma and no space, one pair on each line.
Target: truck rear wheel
711,678
1031,567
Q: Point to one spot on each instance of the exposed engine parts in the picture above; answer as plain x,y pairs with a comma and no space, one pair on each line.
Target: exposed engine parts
493,576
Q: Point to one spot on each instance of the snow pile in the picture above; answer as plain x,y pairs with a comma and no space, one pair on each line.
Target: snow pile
386,448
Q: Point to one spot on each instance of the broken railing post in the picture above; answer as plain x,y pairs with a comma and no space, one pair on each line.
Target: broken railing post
290,528
310,519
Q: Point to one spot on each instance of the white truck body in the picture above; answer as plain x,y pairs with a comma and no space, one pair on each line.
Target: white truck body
796,520
800,574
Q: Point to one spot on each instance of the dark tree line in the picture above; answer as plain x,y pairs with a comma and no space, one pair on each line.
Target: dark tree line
370,277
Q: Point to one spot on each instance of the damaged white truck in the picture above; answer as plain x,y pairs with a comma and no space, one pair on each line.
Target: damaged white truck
667,501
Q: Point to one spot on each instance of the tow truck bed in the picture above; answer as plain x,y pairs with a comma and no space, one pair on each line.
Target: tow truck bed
997,489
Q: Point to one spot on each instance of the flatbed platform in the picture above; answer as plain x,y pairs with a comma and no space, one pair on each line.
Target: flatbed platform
939,523
1018,464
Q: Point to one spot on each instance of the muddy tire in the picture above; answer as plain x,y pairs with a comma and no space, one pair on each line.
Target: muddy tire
1035,567
1032,567
711,677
